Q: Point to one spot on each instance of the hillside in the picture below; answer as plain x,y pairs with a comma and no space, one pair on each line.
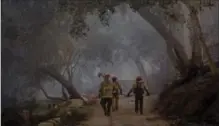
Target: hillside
195,101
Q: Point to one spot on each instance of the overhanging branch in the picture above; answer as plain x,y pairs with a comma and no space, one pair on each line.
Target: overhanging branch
65,83
50,97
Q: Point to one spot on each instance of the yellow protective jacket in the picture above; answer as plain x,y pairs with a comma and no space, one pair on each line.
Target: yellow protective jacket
106,89
118,89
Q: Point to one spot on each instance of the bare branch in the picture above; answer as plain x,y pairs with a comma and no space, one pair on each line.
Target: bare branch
64,94
70,58
76,63
65,83
50,97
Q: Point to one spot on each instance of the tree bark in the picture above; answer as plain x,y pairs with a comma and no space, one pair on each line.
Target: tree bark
36,119
197,39
65,83
195,32
171,42
64,94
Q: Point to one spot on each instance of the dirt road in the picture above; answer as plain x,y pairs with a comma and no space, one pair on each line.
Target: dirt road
126,115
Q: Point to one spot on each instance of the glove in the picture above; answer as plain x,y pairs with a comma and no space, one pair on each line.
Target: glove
99,74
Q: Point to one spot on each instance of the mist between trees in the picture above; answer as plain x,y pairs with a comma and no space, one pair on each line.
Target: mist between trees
51,43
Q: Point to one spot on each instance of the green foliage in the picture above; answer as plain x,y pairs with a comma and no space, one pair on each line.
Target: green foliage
78,10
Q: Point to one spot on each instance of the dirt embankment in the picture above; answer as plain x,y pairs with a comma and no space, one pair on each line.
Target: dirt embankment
69,113
195,101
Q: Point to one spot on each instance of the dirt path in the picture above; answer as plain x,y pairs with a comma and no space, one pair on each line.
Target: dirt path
124,117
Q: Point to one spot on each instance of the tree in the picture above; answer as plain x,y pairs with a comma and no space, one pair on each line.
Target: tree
104,7
44,49
104,15
46,40
198,32
195,31
173,45
65,79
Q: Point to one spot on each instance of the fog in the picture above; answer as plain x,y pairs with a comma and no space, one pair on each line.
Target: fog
128,36
128,47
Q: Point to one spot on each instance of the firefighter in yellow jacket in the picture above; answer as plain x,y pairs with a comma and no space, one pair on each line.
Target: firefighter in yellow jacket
106,94
116,92
138,89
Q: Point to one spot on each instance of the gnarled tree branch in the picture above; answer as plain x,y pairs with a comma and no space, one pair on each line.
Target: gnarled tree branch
50,97
65,83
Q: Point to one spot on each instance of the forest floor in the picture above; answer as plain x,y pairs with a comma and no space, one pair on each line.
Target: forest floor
194,103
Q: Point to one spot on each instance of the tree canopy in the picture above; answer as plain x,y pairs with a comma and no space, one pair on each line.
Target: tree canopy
49,41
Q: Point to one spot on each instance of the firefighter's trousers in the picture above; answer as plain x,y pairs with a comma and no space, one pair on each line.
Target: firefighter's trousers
139,103
115,102
106,104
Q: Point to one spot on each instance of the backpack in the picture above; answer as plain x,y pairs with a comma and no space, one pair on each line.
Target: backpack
138,89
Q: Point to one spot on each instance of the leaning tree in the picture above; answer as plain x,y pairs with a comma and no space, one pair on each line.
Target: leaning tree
44,43
46,40
79,9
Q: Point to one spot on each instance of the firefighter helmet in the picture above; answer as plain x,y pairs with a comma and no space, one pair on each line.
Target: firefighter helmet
114,78
138,78
107,75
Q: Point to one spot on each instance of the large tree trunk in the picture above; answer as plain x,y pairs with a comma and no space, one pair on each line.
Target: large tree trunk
65,83
198,39
36,119
173,45
195,33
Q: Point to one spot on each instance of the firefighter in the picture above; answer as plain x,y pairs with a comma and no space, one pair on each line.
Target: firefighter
116,92
138,89
106,94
